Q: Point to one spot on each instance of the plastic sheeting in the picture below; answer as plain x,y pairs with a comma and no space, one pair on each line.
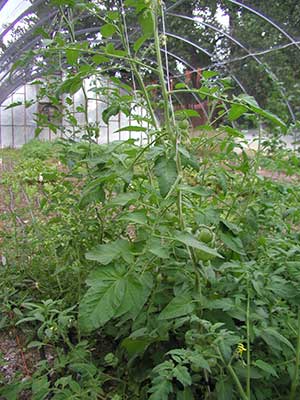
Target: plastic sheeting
18,124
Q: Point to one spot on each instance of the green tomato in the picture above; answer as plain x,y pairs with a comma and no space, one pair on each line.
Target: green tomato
195,368
205,235
184,124
159,277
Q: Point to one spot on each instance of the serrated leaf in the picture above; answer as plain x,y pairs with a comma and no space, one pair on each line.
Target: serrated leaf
209,74
161,390
99,59
186,394
72,56
103,299
253,106
110,111
137,217
108,30
145,20
199,361
91,195
178,307
166,172
190,241
106,253
236,111
187,112
11,391
132,128
137,291
40,388
224,390
265,367
136,346
197,190
139,43
234,243
156,248
123,199
181,373
275,339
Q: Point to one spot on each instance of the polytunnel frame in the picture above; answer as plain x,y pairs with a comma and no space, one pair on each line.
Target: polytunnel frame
249,54
170,8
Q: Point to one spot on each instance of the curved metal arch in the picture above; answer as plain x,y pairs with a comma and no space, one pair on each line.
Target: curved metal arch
175,36
29,10
2,4
267,19
190,43
254,11
250,54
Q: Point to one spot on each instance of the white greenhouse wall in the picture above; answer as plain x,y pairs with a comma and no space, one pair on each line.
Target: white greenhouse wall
17,124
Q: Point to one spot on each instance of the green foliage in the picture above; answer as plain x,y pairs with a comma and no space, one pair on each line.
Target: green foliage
163,271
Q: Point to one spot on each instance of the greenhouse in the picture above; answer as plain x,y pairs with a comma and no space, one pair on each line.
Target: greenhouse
149,199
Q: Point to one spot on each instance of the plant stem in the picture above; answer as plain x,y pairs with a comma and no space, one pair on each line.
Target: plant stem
296,372
234,377
238,383
248,387
161,72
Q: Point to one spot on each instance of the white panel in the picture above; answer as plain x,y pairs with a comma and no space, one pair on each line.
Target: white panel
19,136
6,133
6,116
18,115
103,135
29,132
31,92
92,114
113,126
30,117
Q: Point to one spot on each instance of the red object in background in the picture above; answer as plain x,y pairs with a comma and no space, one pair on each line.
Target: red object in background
199,77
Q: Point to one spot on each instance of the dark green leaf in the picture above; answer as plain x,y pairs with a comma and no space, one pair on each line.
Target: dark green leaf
137,291
166,173
140,41
131,128
145,20
103,299
108,30
112,110
178,307
161,390
265,367
224,389
106,253
236,111
72,56
91,195
99,59
190,241
234,243
181,373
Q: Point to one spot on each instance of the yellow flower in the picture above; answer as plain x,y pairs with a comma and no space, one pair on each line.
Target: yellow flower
240,349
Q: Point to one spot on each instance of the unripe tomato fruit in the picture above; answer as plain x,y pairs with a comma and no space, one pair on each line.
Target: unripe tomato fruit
183,124
205,235
195,368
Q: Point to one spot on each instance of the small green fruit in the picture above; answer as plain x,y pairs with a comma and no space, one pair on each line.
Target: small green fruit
184,124
195,368
205,235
